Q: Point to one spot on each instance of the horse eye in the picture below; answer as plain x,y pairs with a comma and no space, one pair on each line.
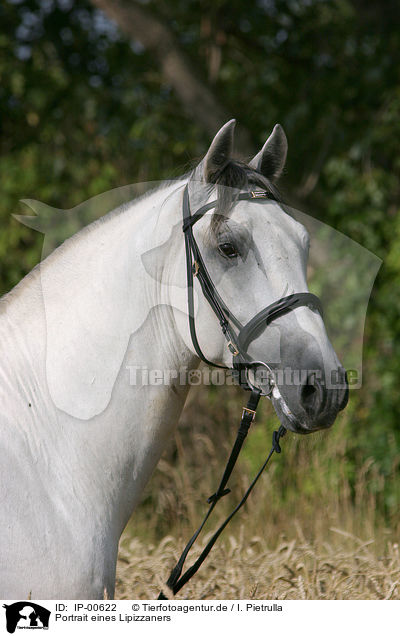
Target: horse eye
228,250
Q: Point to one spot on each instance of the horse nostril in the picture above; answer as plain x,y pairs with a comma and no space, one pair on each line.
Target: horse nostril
345,390
312,395
308,395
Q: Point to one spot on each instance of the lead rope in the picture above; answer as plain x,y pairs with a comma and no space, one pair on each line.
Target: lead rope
176,579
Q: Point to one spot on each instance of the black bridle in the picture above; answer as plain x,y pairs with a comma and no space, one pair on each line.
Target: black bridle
237,343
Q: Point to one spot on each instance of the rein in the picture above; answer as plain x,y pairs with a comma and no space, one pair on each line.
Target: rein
237,343
176,579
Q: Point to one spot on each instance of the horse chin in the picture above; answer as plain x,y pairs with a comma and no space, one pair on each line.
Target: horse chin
287,419
296,424
300,425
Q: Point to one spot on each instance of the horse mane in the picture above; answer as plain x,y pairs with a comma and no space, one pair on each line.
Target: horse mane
233,178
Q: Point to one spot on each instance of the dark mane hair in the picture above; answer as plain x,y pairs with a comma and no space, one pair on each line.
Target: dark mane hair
235,177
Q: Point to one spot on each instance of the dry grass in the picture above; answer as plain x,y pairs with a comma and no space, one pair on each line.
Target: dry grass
312,529
242,568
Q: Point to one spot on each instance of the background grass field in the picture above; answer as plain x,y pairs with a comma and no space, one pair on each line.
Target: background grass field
304,533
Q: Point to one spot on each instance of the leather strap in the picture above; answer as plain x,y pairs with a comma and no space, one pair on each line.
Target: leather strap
281,307
189,246
176,579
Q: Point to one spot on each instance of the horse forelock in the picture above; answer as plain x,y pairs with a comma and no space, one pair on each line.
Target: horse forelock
235,177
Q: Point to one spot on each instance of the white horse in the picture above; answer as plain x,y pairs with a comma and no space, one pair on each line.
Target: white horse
79,435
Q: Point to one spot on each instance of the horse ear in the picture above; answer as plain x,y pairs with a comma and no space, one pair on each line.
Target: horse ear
271,159
220,151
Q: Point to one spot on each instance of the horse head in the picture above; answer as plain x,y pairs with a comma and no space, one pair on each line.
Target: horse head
250,258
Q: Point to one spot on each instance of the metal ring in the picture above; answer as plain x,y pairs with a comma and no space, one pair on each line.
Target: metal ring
259,363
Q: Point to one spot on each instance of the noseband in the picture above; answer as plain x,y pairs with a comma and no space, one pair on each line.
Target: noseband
237,342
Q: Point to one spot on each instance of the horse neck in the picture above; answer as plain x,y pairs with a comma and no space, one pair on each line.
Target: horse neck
103,317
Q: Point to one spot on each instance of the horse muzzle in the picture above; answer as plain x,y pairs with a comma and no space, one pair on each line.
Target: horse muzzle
303,406
313,404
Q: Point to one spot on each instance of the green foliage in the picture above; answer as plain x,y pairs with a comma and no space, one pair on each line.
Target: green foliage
83,110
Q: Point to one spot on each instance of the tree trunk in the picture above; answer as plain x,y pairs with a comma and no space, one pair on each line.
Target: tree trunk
199,102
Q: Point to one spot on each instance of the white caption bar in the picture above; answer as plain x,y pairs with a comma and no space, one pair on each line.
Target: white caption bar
178,617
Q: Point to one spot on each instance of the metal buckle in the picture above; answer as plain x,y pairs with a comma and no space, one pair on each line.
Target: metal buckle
249,411
259,363
232,348
259,194
195,268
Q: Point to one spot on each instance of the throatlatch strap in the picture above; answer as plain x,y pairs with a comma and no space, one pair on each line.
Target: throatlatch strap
189,243
176,579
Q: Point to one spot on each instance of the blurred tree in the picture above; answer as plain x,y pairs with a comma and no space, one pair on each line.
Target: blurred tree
196,96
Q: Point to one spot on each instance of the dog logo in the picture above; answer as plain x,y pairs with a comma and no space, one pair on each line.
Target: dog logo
26,615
